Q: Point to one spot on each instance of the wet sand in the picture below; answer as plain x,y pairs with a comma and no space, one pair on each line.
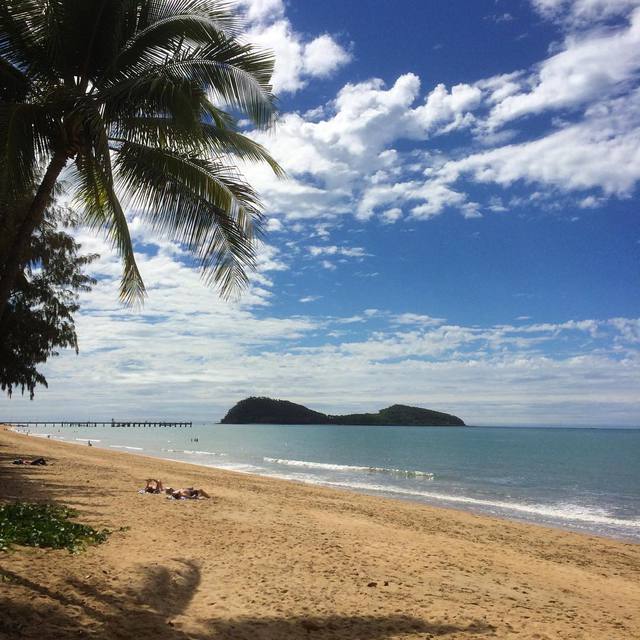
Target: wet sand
272,559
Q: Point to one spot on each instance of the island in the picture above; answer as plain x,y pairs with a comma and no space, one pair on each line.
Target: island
269,411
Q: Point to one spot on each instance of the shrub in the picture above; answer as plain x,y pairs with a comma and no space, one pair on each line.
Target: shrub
45,525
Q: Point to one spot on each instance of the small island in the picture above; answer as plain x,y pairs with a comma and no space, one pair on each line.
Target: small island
269,411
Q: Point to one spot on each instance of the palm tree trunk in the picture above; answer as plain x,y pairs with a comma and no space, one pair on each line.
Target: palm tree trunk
14,261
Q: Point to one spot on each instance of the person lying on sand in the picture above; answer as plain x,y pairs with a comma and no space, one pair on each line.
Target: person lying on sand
25,461
153,486
186,494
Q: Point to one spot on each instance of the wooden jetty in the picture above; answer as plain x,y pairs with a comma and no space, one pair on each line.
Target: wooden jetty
110,423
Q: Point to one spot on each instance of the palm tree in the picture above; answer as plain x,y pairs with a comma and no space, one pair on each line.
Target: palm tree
130,102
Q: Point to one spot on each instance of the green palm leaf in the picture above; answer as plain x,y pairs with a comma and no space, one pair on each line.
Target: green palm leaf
218,214
96,197
25,137
134,92
211,139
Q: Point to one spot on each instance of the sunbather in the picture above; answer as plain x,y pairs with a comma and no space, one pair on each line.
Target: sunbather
153,486
186,494
26,461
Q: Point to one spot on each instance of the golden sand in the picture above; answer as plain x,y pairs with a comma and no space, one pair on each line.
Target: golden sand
272,559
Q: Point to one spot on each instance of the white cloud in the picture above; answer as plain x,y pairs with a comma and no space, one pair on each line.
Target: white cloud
188,354
323,56
342,158
261,10
583,13
273,224
602,151
431,198
448,110
416,319
586,69
391,215
297,59
333,250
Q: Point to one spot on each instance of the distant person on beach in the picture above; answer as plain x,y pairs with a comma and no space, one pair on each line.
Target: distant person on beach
35,461
153,486
186,494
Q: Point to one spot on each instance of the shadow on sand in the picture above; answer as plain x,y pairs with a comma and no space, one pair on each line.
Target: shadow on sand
155,605
38,484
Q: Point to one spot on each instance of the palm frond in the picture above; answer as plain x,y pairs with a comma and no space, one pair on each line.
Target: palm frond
223,14
152,95
199,203
23,31
232,74
161,39
14,84
26,132
209,139
228,71
96,197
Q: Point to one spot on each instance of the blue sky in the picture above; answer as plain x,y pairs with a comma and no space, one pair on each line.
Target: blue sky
459,229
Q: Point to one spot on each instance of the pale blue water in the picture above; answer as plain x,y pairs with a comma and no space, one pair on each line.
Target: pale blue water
581,479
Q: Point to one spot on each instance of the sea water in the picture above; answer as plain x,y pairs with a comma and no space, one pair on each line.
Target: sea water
585,479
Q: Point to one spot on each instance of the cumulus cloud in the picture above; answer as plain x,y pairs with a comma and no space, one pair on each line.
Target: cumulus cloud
262,10
601,151
391,215
345,161
298,59
448,110
343,156
323,56
587,68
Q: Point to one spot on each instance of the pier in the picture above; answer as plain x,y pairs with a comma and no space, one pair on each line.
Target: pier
110,423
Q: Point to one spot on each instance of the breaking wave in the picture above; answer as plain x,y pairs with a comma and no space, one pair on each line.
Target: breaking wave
306,464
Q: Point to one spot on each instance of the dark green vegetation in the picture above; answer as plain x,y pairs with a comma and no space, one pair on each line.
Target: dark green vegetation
124,97
45,525
38,318
268,411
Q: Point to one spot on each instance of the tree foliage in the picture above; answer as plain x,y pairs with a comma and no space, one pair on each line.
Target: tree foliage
269,411
132,101
38,319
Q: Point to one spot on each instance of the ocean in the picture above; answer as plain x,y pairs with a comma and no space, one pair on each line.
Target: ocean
584,479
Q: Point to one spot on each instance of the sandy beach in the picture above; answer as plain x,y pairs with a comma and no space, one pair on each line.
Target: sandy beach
271,559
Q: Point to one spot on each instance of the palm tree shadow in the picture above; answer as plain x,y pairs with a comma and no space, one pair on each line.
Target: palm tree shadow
338,627
155,605
38,484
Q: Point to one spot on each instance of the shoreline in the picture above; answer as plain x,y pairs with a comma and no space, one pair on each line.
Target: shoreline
543,515
273,559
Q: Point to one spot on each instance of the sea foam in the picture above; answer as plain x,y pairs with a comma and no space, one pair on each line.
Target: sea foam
196,453
407,473
561,511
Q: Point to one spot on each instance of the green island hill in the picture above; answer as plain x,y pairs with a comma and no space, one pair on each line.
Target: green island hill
270,411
